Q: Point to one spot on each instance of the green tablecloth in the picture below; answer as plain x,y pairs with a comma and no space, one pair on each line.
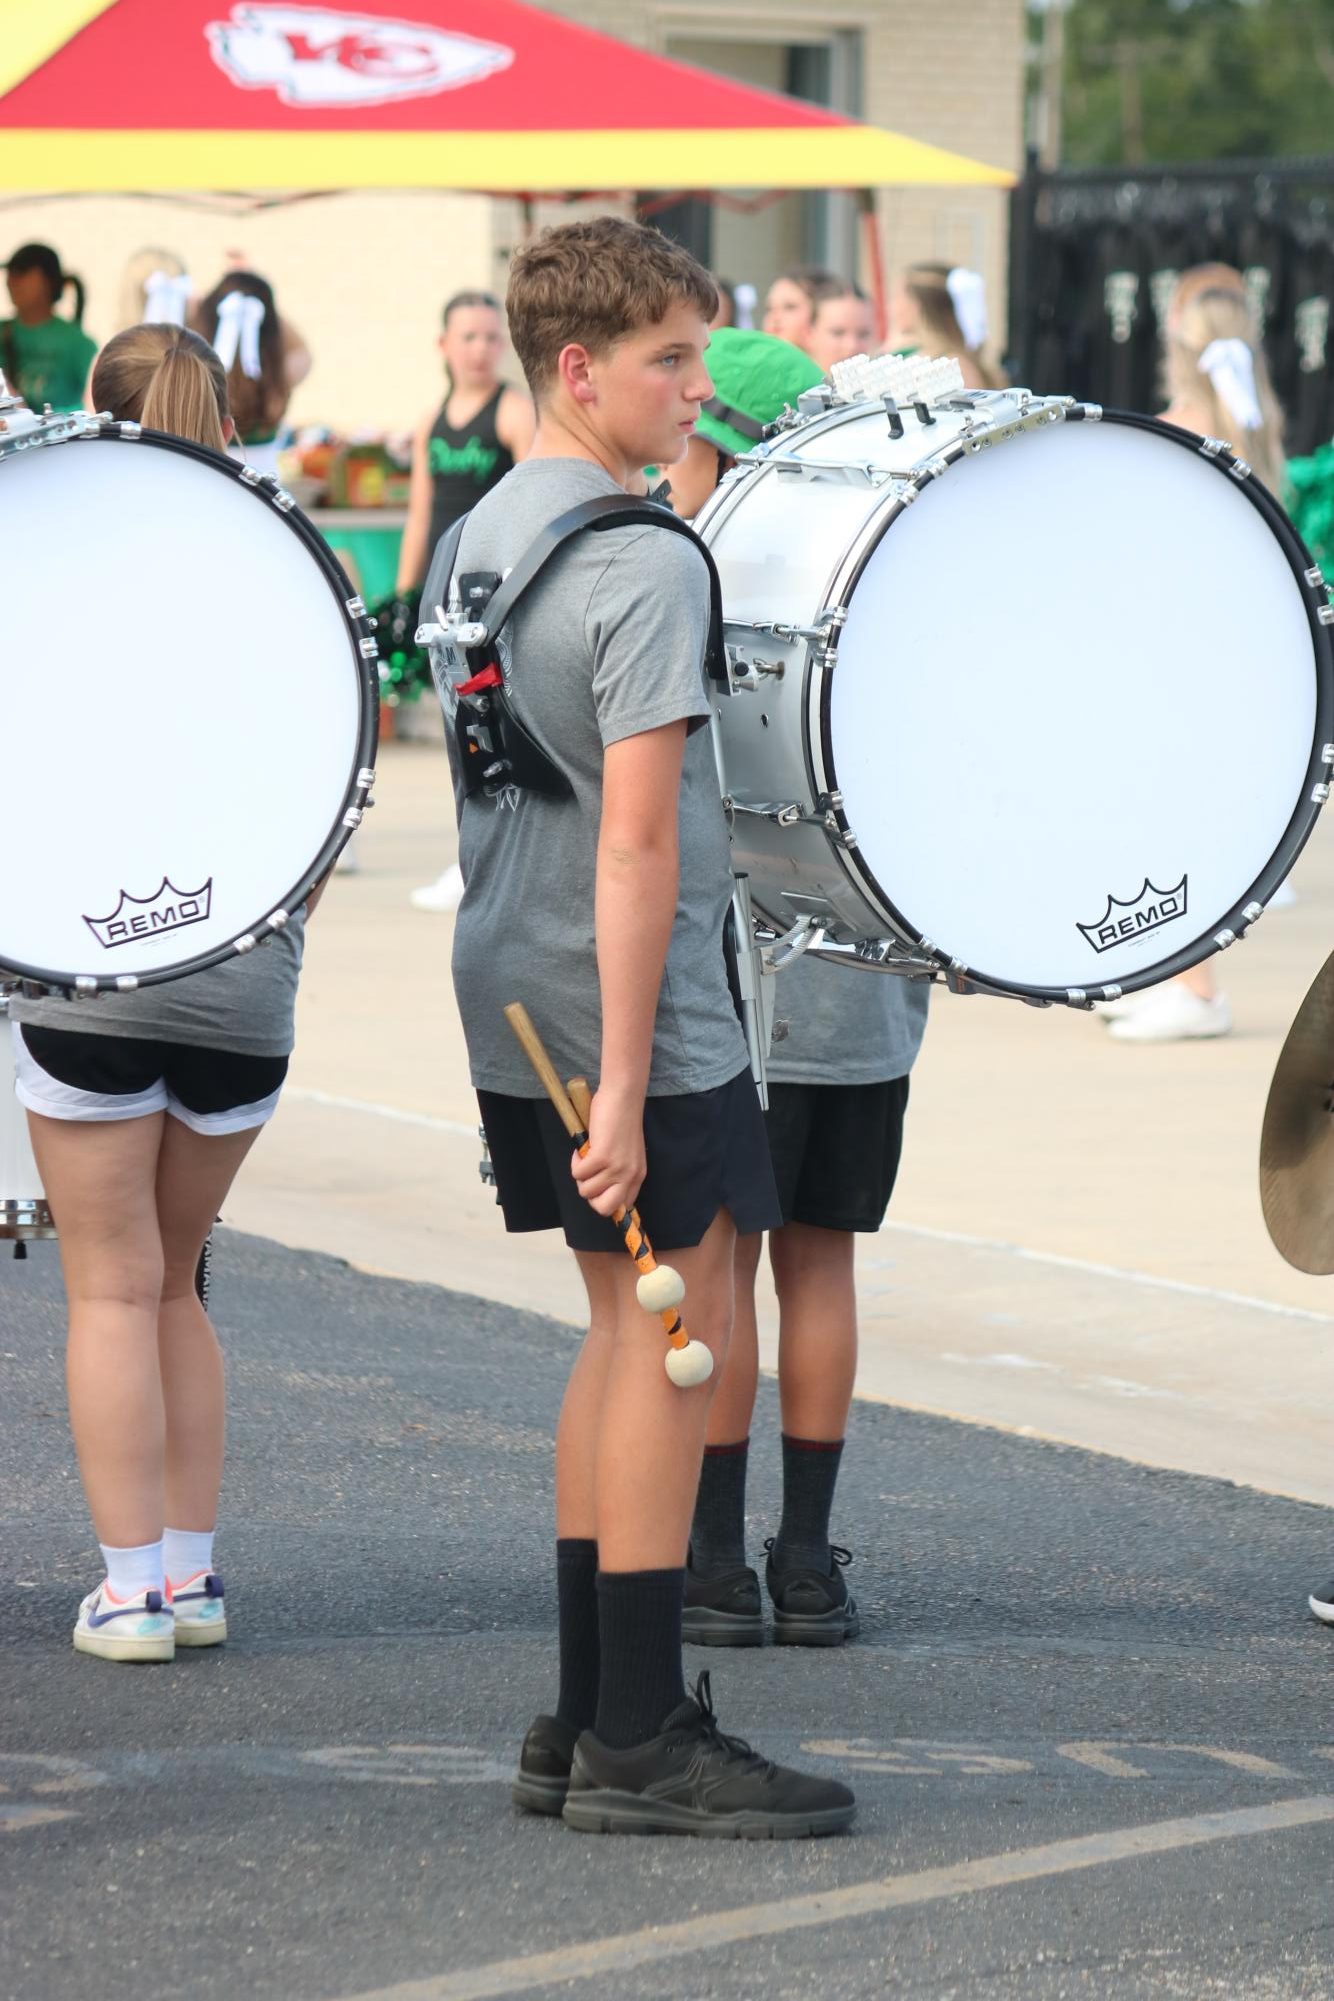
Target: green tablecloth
370,537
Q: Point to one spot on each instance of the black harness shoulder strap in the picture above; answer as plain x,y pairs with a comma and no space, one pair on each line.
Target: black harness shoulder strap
611,510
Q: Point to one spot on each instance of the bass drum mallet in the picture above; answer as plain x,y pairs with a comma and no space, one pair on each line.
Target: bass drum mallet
659,1290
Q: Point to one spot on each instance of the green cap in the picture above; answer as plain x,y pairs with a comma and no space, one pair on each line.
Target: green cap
755,377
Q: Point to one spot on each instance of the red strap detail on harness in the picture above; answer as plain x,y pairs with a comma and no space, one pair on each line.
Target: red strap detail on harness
490,677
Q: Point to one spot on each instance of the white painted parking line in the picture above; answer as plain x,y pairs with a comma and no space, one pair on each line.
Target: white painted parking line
626,1951
14,1819
301,1096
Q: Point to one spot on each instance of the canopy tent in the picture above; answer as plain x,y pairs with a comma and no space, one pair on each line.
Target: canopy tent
487,95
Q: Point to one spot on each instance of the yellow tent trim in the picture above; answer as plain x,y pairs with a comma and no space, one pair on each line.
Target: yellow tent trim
836,156
31,32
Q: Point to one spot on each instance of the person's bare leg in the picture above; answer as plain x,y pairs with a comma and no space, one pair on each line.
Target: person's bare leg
651,1435
734,1399
99,1180
581,1406
817,1328
194,1173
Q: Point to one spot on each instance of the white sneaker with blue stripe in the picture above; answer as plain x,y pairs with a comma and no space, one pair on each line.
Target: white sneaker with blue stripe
201,1617
140,1628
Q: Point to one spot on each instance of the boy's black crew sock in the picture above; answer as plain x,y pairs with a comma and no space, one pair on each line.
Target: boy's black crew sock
639,1626
718,1531
576,1593
810,1474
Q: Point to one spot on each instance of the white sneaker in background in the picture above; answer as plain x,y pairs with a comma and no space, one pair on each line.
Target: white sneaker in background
1113,1010
130,1629
1283,898
349,862
444,894
1173,1014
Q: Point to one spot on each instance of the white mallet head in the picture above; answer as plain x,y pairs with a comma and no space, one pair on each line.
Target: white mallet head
660,1289
690,1365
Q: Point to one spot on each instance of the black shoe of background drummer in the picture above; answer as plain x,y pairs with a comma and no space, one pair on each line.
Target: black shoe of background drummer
723,1608
694,1779
543,1777
812,1608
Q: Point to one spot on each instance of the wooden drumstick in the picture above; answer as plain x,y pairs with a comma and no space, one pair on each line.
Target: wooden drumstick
660,1289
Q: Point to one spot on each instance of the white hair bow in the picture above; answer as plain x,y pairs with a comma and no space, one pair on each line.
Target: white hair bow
1230,366
968,297
166,298
240,317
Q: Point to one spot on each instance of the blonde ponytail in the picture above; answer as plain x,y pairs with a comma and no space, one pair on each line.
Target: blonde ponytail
165,377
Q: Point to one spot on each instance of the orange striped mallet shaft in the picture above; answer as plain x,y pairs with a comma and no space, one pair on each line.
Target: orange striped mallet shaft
659,1289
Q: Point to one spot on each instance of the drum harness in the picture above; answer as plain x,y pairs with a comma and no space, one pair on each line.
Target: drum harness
496,752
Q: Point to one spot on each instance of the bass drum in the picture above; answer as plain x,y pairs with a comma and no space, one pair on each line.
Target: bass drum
1033,695
188,702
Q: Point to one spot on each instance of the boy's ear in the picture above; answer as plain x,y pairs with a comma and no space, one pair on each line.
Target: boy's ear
573,372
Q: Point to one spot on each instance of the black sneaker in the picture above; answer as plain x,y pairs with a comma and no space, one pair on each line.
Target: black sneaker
1322,1604
723,1609
812,1608
694,1779
543,1777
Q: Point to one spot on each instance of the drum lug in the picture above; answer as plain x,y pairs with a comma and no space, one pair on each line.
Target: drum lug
749,674
785,813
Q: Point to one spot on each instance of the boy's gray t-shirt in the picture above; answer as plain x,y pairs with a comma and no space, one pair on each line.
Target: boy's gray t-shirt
609,642
845,1024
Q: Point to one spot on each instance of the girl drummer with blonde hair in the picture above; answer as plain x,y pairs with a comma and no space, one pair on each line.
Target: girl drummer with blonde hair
141,1107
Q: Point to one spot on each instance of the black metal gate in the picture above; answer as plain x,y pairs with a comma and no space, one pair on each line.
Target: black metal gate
1095,253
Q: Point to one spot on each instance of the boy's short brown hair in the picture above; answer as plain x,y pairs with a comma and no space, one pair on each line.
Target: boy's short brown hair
594,282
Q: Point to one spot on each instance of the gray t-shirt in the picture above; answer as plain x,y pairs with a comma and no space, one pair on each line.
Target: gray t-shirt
845,1024
608,643
246,1005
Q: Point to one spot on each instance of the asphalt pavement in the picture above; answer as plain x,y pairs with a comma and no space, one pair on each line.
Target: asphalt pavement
1088,1719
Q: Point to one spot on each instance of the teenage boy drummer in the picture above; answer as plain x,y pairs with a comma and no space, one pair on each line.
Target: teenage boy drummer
604,912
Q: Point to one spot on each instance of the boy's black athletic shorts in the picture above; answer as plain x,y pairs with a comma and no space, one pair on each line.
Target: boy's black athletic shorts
706,1151
836,1150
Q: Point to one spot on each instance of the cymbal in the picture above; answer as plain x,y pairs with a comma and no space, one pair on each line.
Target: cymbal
1297,1138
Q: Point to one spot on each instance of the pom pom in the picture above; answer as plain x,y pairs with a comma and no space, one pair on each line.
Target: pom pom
690,1365
405,667
660,1289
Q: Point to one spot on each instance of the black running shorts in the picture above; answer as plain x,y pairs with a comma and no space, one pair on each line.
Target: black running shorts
706,1151
836,1151
91,1079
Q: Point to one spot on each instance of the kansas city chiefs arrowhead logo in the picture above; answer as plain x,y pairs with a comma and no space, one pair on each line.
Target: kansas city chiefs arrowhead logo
315,56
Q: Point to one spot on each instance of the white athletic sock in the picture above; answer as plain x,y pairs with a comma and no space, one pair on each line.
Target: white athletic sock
187,1552
130,1571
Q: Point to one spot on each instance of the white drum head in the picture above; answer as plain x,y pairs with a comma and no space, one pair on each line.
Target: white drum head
1074,705
182,703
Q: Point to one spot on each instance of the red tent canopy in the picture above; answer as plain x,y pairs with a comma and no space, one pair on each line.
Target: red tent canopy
484,94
